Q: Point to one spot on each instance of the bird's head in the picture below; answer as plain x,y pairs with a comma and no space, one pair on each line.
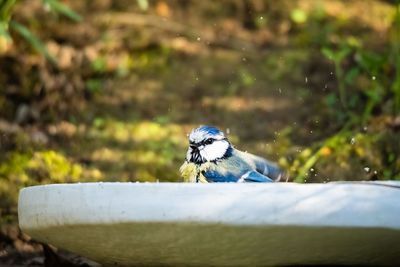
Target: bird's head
207,144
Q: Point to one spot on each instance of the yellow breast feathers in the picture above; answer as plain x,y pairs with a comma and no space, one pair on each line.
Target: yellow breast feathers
190,171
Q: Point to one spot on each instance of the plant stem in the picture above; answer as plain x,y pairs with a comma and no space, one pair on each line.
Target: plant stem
340,79
6,9
326,143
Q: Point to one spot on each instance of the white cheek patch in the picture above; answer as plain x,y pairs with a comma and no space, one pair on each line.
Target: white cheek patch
189,154
215,150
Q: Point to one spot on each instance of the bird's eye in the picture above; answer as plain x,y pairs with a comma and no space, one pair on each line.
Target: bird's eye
209,141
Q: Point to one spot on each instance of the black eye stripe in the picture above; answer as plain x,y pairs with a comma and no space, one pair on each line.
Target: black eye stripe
208,141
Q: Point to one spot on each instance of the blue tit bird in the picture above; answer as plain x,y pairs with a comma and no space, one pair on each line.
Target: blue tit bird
211,157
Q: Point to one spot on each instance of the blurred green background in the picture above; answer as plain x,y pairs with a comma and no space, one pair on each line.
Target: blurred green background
107,90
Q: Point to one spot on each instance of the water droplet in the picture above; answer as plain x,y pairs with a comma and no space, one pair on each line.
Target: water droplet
375,172
331,73
261,17
312,170
310,132
198,38
306,79
367,169
352,141
228,131
373,78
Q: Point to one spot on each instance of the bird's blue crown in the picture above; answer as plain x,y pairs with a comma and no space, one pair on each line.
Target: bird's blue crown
209,129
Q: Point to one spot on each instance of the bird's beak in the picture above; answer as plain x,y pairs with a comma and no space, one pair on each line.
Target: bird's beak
193,147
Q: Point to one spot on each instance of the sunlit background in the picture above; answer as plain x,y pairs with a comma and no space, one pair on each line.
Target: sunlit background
107,90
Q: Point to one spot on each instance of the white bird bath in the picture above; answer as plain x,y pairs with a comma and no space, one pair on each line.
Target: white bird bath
218,224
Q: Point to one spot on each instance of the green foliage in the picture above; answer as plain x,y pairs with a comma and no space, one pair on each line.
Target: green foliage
298,16
352,153
94,85
4,31
100,64
337,57
370,66
22,169
140,151
246,78
6,7
27,34
396,48
143,4
57,7
365,84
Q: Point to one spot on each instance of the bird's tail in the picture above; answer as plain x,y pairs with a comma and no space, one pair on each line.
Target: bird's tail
282,177
269,169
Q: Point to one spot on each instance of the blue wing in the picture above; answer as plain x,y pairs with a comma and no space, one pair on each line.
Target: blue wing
255,177
213,176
